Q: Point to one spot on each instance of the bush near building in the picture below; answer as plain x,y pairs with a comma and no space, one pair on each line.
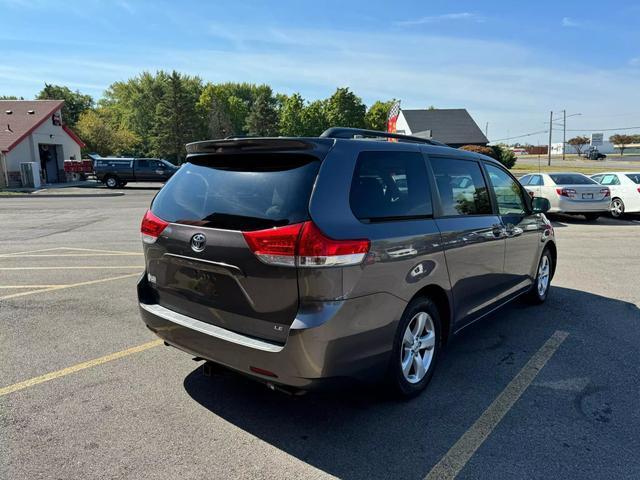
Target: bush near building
499,152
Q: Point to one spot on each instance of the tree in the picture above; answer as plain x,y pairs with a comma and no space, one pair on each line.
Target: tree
10,97
101,136
176,118
314,118
74,102
292,116
578,143
345,109
621,141
263,117
377,115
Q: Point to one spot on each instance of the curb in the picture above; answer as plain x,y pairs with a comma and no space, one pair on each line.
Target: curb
62,195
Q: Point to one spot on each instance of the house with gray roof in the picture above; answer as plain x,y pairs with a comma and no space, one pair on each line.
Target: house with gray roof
453,126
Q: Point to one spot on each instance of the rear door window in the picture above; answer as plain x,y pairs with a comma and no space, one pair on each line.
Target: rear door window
525,180
610,179
536,180
239,192
507,191
390,186
461,187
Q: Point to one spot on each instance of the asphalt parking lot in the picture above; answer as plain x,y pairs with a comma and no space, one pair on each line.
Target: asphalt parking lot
87,392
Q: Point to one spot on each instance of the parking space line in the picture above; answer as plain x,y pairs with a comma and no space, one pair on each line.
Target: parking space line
70,285
30,251
99,250
80,267
30,286
461,452
76,368
56,255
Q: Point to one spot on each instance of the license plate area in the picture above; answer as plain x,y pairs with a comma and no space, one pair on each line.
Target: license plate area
587,196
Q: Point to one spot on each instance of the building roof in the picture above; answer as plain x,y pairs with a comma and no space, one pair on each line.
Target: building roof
25,117
452,126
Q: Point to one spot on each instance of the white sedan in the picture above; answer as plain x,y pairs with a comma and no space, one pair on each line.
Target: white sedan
567,192
625,191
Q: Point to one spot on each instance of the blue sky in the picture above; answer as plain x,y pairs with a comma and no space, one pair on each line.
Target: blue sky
507,62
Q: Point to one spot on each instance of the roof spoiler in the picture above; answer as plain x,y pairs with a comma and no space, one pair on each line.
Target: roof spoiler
343,132
257,145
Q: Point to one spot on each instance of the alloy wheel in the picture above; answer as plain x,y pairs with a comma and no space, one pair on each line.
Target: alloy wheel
617,208
543,275
418,347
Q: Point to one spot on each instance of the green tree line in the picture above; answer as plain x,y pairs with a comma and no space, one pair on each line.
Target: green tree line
157,114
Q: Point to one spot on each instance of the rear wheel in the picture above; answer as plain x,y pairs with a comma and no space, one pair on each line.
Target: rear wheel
111,182
416,348
591,216
617,208
542,284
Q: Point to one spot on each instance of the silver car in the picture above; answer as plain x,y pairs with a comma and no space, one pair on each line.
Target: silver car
571,193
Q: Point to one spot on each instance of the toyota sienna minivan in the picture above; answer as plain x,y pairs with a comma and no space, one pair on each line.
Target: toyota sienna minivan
306,262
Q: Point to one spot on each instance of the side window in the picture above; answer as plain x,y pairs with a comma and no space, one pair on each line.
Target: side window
508,192
535,180
390,186
597,178
609,180
143,164
461,187
525,180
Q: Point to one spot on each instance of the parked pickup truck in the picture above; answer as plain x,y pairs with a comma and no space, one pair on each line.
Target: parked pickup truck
116,172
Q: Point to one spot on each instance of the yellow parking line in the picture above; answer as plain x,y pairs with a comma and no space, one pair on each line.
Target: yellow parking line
99,250
29,286
70,285
28,255
76,368
81,267
31,251
462,451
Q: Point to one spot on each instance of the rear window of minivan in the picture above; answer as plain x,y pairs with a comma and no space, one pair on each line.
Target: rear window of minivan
239,192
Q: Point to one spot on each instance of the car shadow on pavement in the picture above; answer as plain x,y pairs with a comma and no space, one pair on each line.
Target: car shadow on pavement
361,433
559,220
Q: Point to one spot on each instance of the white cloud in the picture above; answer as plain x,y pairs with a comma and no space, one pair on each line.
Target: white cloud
570,22
445,17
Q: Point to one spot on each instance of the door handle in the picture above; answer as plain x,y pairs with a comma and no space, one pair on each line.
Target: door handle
513,231
498,230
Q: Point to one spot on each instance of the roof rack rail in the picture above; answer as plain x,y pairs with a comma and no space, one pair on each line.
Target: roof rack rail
343,132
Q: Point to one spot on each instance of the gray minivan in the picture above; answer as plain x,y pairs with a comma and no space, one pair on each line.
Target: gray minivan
305,262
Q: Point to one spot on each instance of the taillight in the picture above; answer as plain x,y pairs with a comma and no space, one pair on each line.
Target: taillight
606,192
275,246
638,189
565,192
151,227
317,250
304,245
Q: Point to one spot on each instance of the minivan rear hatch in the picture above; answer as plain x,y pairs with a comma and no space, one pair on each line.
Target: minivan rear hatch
201,264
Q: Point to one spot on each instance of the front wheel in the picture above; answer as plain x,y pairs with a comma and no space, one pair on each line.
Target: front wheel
617,208
416,348
540,288
111,182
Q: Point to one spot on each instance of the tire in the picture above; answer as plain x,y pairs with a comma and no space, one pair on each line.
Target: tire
591,217
409,382
617,208
122,184
540,289
111,182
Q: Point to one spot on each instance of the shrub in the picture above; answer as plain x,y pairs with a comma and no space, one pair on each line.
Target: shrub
488,151
502,153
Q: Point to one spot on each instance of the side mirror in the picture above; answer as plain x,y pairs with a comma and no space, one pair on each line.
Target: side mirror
540,205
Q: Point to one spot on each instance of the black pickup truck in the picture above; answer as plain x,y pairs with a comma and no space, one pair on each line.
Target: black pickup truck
116,172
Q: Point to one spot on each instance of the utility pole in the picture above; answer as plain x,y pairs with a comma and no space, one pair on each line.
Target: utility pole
486,130
550,131
564,132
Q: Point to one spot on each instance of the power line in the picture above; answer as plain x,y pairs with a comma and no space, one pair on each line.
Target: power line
602,129
520,136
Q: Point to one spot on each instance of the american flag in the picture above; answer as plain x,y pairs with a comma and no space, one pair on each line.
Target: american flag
394,111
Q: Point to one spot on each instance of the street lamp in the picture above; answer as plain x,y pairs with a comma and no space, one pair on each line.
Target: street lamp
564,130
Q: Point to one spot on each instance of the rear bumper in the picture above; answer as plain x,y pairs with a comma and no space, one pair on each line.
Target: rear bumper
572,206
327,343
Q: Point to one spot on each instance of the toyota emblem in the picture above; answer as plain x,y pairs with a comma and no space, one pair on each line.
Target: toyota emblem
198,242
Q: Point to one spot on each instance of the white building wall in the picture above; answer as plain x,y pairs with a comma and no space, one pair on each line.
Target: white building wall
27,150
606,147
402,126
